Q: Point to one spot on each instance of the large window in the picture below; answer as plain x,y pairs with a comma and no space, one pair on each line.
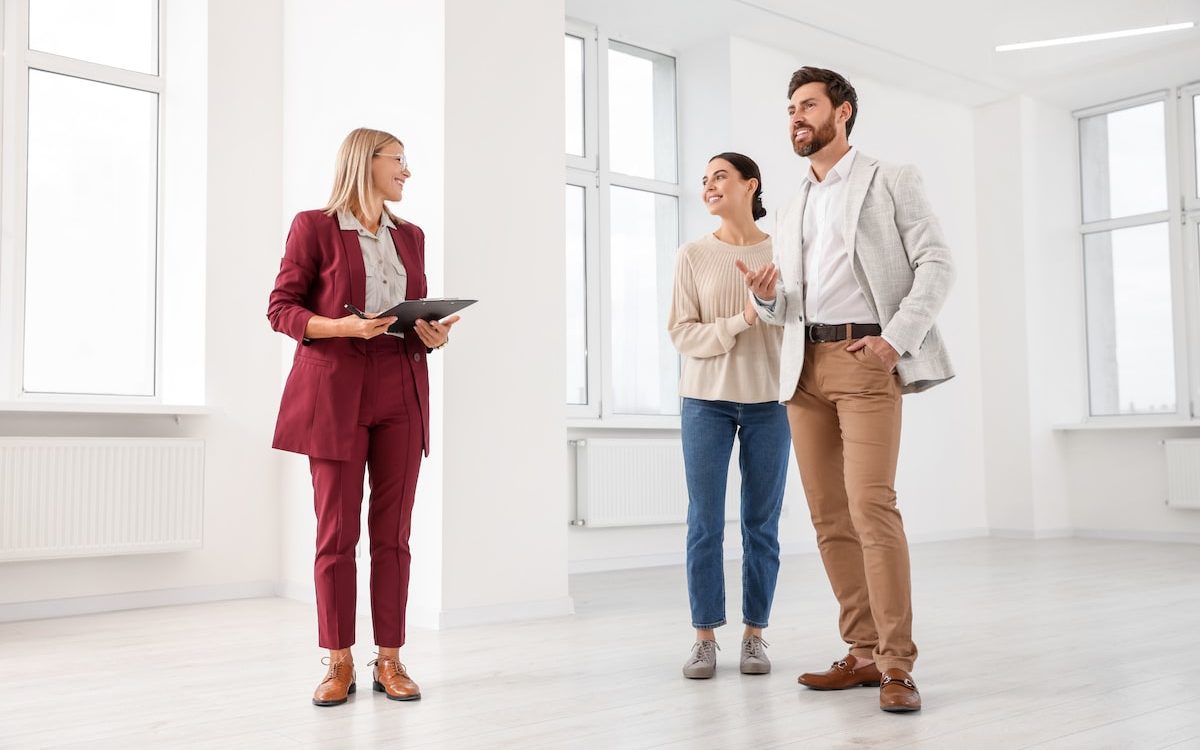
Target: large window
81,205
622,219
1140,207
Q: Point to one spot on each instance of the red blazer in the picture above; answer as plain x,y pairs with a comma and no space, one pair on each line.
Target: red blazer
322,269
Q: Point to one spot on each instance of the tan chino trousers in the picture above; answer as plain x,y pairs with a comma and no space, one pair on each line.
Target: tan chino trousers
845,420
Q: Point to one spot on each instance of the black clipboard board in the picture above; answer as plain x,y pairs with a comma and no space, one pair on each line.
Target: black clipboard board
410,311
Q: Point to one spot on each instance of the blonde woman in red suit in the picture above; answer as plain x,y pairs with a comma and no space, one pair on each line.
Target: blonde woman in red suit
357,398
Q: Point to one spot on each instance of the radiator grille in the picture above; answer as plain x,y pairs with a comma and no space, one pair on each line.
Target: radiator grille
82,497
634,482
1183,473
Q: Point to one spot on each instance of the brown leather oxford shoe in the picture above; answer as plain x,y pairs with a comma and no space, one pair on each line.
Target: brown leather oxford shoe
391,678
338,684
898,693
841,675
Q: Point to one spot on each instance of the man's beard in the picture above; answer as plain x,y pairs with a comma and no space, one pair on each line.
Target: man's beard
820,138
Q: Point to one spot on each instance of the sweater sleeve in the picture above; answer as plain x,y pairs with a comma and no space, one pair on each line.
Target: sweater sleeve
691,337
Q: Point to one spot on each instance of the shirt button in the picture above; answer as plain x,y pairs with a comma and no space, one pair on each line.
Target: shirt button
417,357
385,281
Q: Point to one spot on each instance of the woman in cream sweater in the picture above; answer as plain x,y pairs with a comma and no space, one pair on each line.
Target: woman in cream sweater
729,385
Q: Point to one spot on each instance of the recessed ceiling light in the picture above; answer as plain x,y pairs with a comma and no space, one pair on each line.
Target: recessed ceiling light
1095,37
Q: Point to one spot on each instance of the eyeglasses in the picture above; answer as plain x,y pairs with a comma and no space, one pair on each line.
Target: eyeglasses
398,157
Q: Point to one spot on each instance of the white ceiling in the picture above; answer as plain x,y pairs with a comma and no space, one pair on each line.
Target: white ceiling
941,47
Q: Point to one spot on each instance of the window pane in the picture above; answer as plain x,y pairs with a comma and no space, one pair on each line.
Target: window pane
1196,135
645,366
641,112
1131,345
576,244
1124,163
119,33
573,51
91,237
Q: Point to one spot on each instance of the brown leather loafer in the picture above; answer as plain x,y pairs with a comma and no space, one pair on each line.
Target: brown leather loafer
338,684
391,678
898,693
843,674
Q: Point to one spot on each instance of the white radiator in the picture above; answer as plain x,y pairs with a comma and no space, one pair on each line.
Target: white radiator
1183,473
635,482
82,497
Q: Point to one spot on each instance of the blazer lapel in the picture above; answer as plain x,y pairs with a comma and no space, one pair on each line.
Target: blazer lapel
408,256
792,230
358,269
861,173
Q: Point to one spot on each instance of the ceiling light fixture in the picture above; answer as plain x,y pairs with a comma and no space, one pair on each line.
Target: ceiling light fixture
1095,37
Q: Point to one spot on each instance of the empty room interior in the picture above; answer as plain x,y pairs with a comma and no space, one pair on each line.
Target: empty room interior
178,567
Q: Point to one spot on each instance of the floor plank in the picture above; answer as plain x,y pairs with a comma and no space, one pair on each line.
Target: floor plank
1050,644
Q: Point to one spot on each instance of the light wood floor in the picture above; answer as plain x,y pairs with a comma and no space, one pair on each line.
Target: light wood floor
1050,644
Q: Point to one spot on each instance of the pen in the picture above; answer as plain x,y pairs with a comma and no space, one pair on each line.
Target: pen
354,310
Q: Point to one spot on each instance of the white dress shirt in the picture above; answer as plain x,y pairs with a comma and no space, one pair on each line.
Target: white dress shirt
831,293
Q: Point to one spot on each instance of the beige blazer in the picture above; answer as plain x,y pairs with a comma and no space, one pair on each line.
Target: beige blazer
899,258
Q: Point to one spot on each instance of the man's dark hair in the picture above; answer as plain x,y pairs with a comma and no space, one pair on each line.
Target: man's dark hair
837,87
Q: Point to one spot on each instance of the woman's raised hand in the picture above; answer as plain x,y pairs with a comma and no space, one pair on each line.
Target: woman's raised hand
760,281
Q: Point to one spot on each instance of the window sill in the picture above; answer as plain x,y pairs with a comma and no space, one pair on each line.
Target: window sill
623,423
94,407
1131,423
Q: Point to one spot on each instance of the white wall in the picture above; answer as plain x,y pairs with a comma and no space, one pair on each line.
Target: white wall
940,478
505,437
487,160
1043,481
1000,137
1030,290
1118,485
241,530
379,67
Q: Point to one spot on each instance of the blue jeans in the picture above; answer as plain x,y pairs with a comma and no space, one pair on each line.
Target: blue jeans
708,431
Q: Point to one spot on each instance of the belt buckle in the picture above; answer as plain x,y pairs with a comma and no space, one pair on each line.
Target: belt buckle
808,334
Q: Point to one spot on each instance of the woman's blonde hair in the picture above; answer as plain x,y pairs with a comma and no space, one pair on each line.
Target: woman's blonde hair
352,176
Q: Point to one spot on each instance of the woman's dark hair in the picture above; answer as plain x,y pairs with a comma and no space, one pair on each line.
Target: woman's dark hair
837,87
748,170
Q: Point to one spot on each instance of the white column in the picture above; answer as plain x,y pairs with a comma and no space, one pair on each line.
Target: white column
504,454
475,92
1030,294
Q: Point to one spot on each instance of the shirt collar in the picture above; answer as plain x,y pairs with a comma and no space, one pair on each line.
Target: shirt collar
842,168
347,220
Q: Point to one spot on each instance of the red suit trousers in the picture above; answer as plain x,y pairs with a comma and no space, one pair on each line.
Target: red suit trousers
387,444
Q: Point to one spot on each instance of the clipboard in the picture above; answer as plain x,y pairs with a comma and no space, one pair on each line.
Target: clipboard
410,311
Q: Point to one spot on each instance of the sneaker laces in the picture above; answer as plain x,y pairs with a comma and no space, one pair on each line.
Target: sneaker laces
753,646
705,650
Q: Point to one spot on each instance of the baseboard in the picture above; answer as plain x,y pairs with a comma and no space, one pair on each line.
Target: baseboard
1032,534
948,535
87,605
300,592
628,562
807,547
465,617
1171,537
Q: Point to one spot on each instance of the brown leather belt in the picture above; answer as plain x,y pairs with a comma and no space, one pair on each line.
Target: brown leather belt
823,334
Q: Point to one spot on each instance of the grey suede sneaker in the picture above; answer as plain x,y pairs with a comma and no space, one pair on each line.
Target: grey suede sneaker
702,664
754,656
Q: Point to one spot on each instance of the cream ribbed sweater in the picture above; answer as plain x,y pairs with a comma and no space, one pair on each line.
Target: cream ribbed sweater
724,358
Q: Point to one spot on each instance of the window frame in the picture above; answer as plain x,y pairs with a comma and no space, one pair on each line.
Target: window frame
594,174
1189,227
1185,280
18,61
